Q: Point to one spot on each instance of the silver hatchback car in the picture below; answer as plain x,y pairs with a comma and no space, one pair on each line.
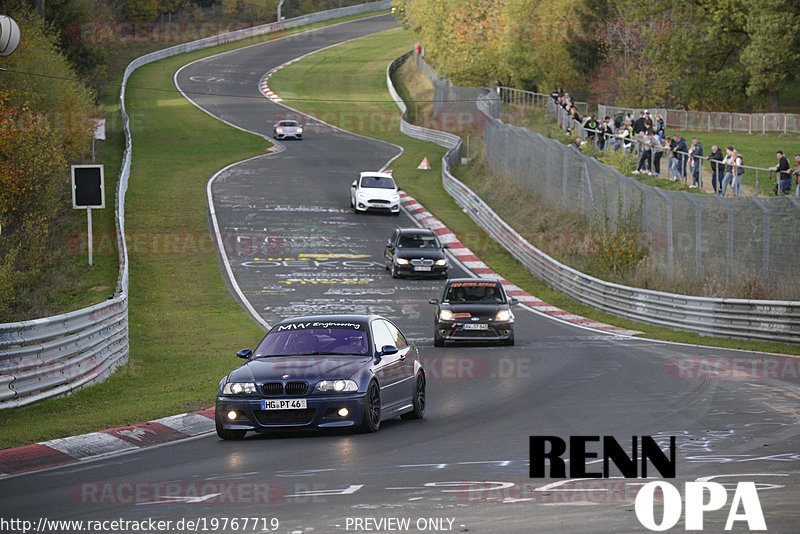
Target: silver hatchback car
287,128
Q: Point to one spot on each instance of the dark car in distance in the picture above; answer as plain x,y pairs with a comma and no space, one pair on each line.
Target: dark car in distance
473,309
328,371
415,252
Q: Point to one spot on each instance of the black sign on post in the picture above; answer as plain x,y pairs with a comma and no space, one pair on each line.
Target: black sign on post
88,191
88,187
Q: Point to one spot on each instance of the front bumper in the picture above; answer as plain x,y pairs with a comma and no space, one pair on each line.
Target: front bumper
319,413
409,270
495,331
375,205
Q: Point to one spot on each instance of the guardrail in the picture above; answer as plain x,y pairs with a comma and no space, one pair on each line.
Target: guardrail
738,318
56,355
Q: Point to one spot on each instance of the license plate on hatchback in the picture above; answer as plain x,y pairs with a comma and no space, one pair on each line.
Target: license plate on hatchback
284,404
476,326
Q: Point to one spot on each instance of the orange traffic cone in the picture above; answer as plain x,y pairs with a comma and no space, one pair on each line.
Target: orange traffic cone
424,165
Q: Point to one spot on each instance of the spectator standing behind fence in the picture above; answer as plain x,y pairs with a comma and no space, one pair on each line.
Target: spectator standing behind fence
591,127
784,176
796,172
638,125
717,168
645,153
728,162
696,155
648,122
738,173
678,161
659,127
655,144
606,132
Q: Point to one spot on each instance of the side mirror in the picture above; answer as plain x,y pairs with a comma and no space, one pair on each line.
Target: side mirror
433,301
388,349
353,185
513,301
399,189
245,353
445,246
388,242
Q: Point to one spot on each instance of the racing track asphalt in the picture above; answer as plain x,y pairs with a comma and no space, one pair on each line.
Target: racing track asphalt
483,402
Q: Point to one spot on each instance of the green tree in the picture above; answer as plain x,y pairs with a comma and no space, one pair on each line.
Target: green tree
42,82
33,197
143,10
772,55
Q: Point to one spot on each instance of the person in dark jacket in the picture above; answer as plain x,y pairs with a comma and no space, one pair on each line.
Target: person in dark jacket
784,176
648,122
696,154
638,125
680,153
717,168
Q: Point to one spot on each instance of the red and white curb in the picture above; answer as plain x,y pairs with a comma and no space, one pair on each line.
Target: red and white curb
85,447
469,260
263,84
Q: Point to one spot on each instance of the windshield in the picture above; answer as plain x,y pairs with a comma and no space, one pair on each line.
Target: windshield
417,241
313,341
479,292
287,123
377,182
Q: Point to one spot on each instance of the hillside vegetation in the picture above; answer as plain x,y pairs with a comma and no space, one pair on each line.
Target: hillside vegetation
697,54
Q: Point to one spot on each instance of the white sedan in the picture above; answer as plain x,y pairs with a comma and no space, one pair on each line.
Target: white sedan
375,191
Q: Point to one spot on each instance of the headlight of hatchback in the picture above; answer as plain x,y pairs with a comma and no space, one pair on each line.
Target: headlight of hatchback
401,261
445,315
239,388
299,130
443,261
503,315
336,386
279,130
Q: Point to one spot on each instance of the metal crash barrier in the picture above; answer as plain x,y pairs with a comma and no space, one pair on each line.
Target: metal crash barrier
766,320
54,356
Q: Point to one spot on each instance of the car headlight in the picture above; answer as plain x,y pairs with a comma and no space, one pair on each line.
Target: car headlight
396,196
401,261
443,261
279,130
362,196
335,386
503,315
239,388
299,130
445,315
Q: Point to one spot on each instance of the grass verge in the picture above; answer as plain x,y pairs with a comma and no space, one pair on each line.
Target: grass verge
358,69
184,325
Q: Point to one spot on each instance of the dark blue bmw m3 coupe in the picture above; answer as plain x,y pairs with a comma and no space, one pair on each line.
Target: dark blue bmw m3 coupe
323,372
